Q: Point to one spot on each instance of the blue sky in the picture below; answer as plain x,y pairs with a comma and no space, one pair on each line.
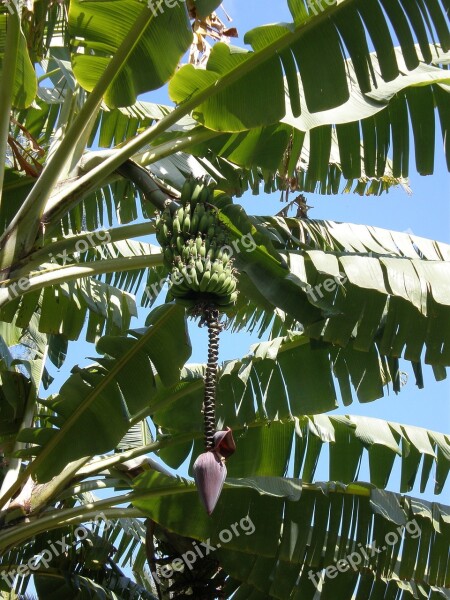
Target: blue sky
426,213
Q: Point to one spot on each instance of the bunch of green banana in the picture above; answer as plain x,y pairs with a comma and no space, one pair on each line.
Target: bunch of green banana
195,249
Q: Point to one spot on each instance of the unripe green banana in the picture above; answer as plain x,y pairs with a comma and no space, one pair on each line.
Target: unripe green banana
166,232
230,286
194,223
185,253
193,279
180,214
212,282
211,253
187,223
220,284
176,281
197,191
203,223
168,255
227,300
186,191
218,266
176,226
185,274
199,210
205,195
205,279
199,266
193,248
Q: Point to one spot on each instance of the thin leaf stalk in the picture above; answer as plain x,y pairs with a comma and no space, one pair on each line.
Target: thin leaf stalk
106,462
12,288
69,245
74,192
80,514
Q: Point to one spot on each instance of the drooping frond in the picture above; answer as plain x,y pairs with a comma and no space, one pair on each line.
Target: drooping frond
285,530
364,286
266,397
103,398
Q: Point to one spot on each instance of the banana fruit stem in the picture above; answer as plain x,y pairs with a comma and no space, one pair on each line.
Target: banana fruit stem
211,319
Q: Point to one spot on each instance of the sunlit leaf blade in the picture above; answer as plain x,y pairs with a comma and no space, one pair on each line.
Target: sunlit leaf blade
103,398
97,30
25,81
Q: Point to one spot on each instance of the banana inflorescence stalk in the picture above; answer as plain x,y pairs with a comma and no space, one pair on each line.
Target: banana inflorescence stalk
211,317
202,278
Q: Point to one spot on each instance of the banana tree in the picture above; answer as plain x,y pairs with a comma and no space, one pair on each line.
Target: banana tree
327,102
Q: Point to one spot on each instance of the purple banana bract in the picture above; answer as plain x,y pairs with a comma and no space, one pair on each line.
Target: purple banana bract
210,470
